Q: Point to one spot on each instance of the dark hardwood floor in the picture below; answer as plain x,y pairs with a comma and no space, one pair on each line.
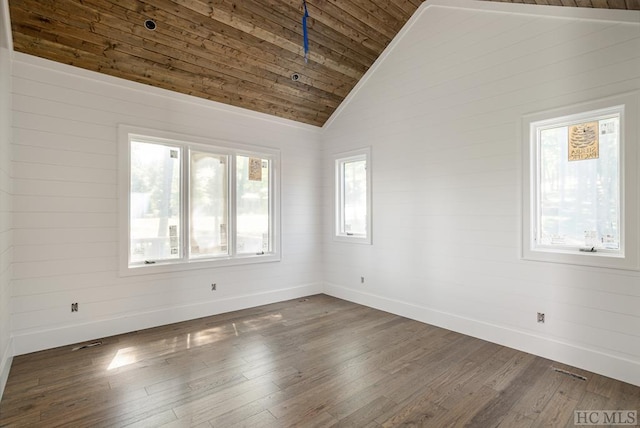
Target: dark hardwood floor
317,361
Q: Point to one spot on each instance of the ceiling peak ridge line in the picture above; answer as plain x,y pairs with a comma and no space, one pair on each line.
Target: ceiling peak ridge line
244,52
385,53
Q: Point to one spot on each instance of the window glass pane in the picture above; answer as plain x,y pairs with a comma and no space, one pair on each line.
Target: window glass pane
155,202
355,197
579,200
209,210
252,205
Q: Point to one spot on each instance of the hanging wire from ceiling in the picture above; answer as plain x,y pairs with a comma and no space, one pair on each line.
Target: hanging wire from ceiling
305,32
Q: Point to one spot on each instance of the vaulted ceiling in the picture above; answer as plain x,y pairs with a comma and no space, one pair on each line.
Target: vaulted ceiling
246,53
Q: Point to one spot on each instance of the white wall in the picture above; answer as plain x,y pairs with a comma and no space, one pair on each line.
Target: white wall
442,114
65,208
6,352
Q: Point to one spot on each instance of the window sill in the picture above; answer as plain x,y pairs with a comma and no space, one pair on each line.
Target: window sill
168,267
353,239
576,257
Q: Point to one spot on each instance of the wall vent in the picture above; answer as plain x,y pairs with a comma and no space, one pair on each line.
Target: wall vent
568,373
88,345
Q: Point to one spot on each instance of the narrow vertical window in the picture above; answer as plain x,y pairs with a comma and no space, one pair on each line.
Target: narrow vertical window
353,196
155,198
209,205
253,228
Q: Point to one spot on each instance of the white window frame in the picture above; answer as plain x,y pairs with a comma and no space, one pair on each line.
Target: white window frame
127,133
338,160
628,256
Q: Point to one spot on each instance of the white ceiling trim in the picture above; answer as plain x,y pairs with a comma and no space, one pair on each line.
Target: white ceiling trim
6,39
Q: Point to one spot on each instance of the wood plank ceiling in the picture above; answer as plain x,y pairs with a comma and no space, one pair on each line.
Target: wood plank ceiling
238,52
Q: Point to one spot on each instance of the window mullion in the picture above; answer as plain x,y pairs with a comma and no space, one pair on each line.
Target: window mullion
185,202
155,168
232,206
272,204
343,226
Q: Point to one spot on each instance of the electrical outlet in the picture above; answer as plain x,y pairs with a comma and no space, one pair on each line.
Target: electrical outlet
541,317
74,307
214,286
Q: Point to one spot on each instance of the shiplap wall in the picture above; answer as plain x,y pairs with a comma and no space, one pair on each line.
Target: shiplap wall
65,208
6,352
442,113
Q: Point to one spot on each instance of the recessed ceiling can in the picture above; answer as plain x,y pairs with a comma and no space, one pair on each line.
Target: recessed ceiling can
150,24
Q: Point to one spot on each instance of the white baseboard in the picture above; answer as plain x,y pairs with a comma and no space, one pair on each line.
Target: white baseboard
588,359
5,365
41,339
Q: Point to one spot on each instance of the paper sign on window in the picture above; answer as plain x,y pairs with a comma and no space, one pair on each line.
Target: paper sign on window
583,141
173,239
255,169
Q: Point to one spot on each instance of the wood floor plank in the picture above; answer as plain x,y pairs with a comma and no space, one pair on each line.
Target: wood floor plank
315,361
601,385
592,401
515,419
496,410
263,419
361,410
530,402
159,419
512,369
240,415
624,397
557,413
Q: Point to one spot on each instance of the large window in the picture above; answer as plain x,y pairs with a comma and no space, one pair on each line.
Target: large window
578,183
190,202
579,195
353,196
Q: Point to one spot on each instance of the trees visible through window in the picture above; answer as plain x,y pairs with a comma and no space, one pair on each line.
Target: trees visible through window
353,196
580,182
578,204
188,202
209,204
252,205
155,198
